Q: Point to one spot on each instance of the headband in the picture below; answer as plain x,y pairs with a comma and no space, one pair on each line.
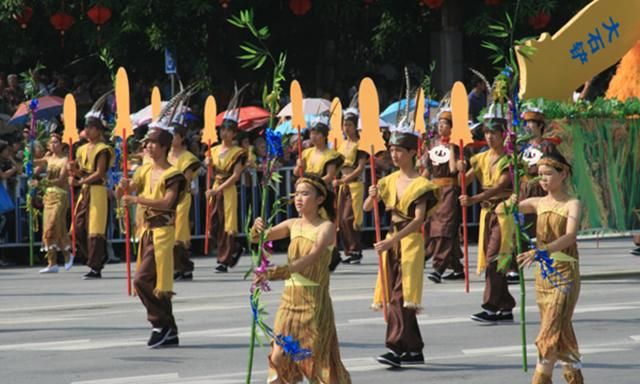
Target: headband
319,186
554,164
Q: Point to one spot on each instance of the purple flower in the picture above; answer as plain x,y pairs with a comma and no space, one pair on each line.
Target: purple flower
262,268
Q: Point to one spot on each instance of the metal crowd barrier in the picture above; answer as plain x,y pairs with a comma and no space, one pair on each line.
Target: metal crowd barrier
16,226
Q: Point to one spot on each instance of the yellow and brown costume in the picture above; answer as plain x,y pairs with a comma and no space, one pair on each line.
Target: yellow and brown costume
184,163
316,163
306,314
154,268
496,231
556,338
92,206
350,199
224,215
403,265
55,237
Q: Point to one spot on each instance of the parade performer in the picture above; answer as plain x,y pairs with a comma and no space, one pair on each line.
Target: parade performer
557,281
89,171
496,230
55,237
228,162
305,313
321,161
159,187
188,164
410,198
442,232
351,189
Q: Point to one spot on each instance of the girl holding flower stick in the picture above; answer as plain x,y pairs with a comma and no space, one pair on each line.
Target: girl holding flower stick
305,343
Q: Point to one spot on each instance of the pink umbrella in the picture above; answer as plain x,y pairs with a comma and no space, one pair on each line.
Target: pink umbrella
248,118
48,107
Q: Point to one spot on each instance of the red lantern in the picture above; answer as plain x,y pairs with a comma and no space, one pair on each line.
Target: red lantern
99,15
433,4
539,20
61,21
224,3
24,17
492,2
300,7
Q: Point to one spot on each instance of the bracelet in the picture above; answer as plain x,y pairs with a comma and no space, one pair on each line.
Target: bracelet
280,272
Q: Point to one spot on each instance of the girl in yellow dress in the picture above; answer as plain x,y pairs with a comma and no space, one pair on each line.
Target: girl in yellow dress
305,313
188,164
351,189
558,218
55,237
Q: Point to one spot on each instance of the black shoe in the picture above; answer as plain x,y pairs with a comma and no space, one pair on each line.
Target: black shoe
186,276
92,274
411,359
158,337
221,268
236,256
453,276
513,278
504,317
355,259
389,358
335,260
172,340
177,276
435,277
636,252
484,317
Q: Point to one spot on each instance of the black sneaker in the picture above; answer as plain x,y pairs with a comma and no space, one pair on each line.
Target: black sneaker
484,317
172,340
177,275
354,259
221,268
513,278
389,358
92,274
335,260
158,337
411,359
636,252
236,256
435,277
453,276
186,276
504,317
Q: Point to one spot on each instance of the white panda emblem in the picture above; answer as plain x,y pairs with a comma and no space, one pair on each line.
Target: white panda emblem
439,154
532,155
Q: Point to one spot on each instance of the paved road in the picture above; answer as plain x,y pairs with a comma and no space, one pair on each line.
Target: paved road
60,329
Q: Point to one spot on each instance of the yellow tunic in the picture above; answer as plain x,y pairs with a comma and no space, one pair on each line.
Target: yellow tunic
56,204
556,337
223,164
186,161
412,245
163,236
306,314
488,175
317,165
98,201
349,150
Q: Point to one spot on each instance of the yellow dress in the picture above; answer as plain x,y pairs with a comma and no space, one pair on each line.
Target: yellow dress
306,314
55,237
223,164
411,249
349,150
556,337
160,225
488,175
185,162
317,165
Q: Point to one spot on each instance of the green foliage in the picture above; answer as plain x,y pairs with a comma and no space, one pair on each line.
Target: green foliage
31,89
599,108
429,92
107,59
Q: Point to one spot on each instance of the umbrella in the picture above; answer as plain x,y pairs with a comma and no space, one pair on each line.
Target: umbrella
390,113
143,116
48,107
248,117
309,107
285,127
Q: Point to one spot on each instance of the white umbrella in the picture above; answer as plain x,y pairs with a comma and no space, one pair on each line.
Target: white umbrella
312,106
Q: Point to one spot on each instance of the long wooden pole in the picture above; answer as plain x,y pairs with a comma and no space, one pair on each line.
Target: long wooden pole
73,205
299,150
127,223
207,225
376,220
465,230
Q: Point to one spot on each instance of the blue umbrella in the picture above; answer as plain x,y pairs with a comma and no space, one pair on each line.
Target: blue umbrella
390,113
285,128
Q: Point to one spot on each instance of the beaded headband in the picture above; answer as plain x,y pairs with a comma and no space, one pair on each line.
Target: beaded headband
319,186
554,164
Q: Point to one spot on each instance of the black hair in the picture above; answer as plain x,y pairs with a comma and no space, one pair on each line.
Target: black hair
327,204
555,155
354,119
181,130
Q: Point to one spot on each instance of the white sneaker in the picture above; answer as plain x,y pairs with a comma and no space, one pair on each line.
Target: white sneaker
69,264
51,269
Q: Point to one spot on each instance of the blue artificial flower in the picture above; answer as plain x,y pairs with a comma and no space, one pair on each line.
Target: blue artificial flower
292,348
549,272
33,104
274,143
507,71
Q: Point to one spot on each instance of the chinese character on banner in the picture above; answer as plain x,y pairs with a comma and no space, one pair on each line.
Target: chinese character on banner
612,28
578,52
595,41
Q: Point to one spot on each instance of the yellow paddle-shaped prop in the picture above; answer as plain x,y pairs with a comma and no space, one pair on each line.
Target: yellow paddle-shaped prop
372,142
335,121
209,136
297,114
70,136
156,104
